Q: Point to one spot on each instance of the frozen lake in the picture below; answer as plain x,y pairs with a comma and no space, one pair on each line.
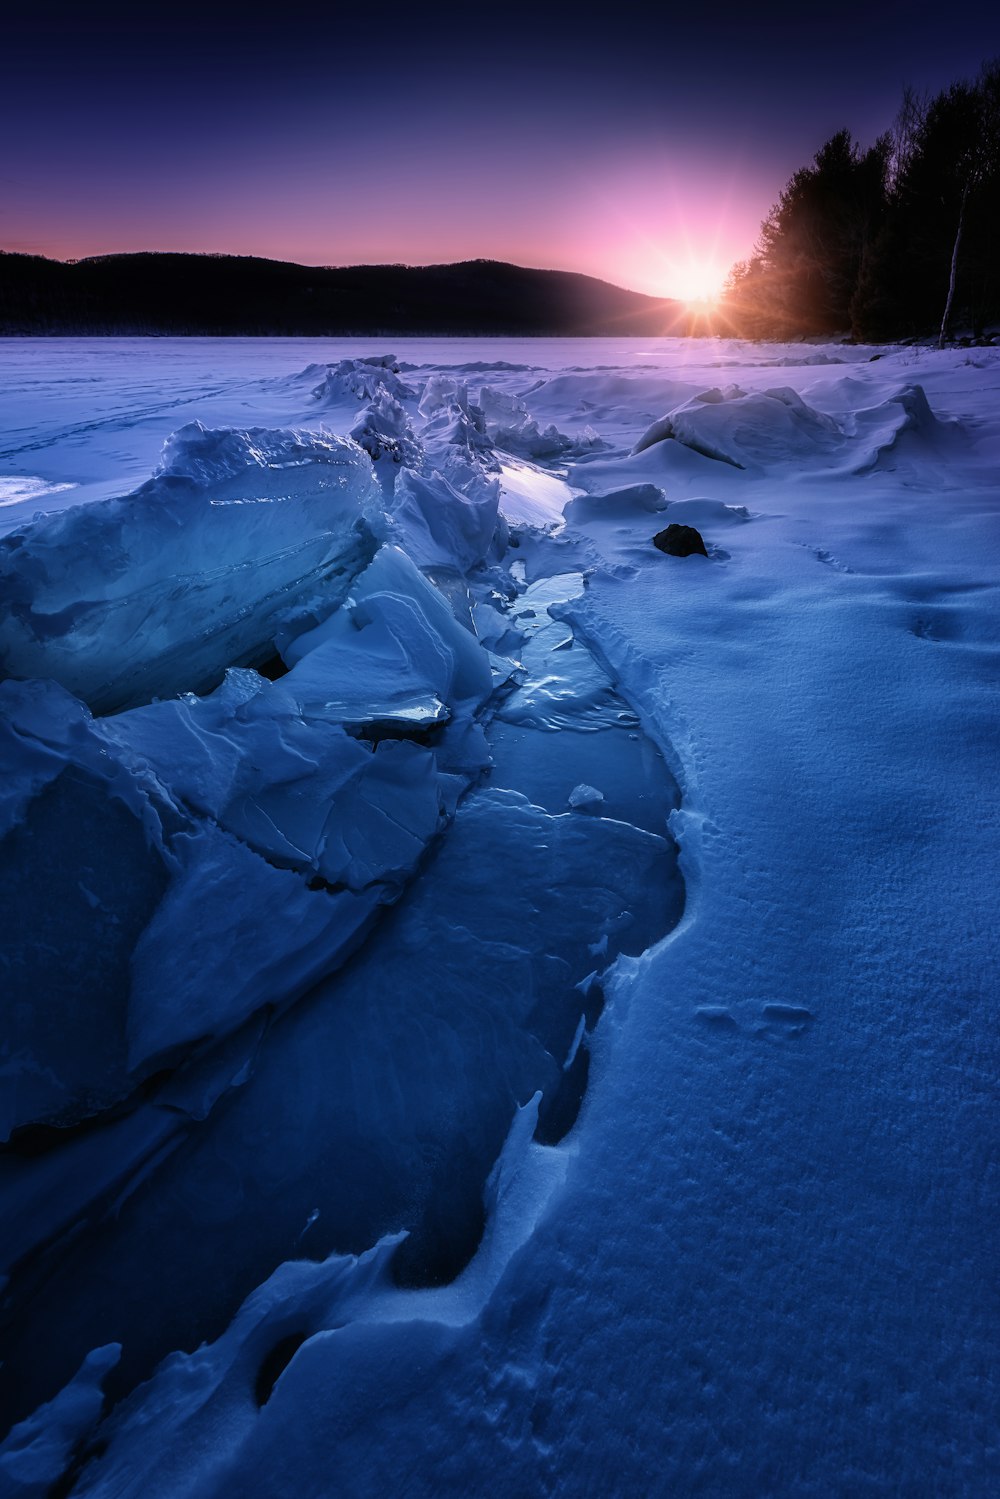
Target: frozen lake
492,1007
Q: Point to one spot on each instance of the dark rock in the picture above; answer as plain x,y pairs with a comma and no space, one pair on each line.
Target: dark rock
680,541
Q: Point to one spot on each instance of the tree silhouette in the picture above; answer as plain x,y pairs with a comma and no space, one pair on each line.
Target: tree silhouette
895,240
812,246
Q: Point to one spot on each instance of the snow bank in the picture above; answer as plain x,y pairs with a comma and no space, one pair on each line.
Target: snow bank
775,429
38,1451
902,429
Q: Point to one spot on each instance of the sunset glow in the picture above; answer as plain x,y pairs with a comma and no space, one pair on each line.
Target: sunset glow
700,285
653,190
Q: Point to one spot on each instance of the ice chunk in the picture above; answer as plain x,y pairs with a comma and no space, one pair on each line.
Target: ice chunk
412,647
207,960
439,525
38,1452
385,430
512,427
292,788
530,495
144,946
441,393
362,379
457,444
157,592
78,884
584,796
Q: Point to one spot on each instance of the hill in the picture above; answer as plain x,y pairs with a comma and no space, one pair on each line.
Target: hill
153,293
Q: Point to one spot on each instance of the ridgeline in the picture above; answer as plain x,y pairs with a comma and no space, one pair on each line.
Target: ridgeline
234,295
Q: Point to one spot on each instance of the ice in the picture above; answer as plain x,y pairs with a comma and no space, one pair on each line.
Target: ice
530,495
656,1145
363,379
257,788
440,526
39,1451
159,591
515,430
584,796
385,431
99,987
411,644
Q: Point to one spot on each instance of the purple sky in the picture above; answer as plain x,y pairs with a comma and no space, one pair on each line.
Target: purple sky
644,148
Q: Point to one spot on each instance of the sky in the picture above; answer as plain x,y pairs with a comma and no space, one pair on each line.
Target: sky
641,144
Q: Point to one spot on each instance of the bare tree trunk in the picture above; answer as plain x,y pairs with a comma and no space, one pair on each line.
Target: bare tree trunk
954,270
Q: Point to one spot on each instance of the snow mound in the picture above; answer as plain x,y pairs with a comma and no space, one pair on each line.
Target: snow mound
703,512
361,379
161,590
795,361
488,366
748,431
633,502
899,428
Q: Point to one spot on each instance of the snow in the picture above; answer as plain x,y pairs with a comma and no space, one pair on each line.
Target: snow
539,1037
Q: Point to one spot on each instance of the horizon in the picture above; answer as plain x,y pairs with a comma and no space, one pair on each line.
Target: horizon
644,155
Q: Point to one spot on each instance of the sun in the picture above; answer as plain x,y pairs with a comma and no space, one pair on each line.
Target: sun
699,284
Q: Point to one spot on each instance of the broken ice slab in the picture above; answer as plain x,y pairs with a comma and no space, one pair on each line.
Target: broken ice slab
379,1103
440,525
567,724
395,648
158,592
168,871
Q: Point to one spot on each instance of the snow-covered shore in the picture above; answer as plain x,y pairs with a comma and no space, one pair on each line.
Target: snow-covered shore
665,884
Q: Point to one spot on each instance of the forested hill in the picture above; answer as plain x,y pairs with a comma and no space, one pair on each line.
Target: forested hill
154,293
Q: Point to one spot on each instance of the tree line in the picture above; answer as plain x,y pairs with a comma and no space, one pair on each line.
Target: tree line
899,239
